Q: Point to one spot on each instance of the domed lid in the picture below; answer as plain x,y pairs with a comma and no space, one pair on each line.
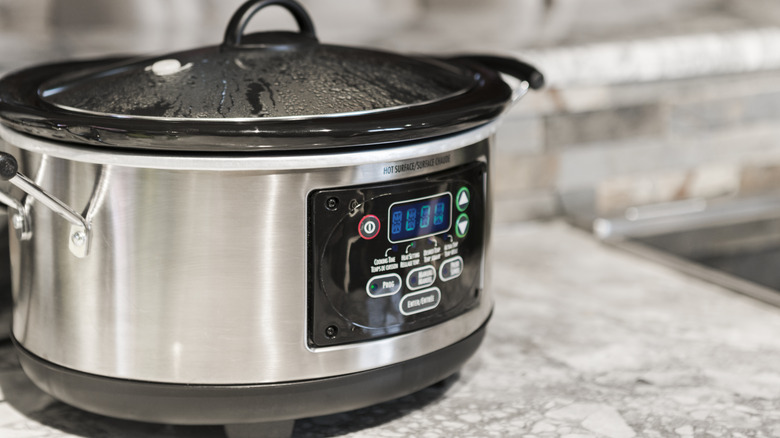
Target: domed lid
259,91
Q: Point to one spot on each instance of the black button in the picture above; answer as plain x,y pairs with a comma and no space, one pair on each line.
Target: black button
383,285
419,278
451,268
422,301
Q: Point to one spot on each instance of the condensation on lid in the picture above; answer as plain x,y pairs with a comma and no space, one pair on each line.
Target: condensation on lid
225,83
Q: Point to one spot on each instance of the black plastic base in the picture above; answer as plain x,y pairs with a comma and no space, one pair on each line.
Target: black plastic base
232,404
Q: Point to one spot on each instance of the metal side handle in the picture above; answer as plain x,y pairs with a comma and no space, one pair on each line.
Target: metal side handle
79,236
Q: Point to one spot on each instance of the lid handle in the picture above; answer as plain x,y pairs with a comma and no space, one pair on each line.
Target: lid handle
240,19
511,66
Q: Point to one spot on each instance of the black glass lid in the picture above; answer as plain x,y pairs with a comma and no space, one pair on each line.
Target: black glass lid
224,84
269,90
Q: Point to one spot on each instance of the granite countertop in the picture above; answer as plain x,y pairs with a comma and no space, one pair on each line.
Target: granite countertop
585,341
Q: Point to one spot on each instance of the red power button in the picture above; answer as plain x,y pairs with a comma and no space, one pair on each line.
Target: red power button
368,227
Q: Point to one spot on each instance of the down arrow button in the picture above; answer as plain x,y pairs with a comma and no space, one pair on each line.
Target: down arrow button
462,225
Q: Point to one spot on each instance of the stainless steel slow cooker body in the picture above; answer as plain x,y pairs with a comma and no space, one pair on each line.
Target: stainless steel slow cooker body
260,268
197,266
197,269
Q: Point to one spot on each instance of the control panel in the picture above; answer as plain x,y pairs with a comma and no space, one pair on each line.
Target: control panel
391,258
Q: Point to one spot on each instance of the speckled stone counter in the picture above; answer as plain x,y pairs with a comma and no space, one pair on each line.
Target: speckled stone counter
586,341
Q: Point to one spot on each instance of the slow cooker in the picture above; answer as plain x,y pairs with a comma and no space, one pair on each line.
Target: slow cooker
267,229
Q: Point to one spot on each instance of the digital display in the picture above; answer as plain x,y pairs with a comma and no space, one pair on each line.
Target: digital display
420,217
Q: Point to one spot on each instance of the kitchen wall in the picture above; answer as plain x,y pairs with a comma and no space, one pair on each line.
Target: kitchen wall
647,101
684,106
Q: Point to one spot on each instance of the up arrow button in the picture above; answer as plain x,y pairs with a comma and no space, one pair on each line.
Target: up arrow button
463,199
462,225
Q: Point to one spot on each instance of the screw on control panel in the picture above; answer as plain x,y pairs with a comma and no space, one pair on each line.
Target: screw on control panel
353,206
332,203
331,331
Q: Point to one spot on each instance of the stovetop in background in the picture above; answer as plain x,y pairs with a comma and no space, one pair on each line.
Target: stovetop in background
734,243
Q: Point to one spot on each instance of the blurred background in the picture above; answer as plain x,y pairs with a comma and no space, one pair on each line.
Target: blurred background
648,102
652,107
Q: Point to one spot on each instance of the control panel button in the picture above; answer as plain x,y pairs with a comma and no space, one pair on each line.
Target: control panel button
368,228
462,225
462,199
383,285
451,268
419,278
418,302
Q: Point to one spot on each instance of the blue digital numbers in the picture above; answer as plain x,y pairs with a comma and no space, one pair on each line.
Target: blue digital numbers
411,219
398,217
438,215
425,216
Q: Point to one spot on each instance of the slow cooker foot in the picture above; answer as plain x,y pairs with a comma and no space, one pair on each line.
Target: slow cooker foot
276,429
